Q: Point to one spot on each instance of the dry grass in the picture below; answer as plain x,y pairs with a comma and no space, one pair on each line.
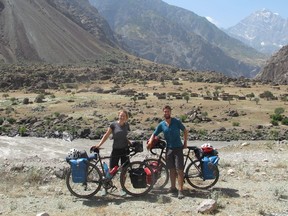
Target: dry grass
107,105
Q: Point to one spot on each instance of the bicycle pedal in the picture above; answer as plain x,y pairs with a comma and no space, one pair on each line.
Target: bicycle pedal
114,188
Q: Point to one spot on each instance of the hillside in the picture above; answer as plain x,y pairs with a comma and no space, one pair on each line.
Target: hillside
167,34
53,31
276,68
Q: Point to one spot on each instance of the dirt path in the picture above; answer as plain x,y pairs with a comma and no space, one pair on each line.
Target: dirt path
253,181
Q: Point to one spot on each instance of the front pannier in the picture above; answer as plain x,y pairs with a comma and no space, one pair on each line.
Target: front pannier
79,170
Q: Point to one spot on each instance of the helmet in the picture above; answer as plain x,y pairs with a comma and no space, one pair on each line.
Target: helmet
158,143
207,148
73,154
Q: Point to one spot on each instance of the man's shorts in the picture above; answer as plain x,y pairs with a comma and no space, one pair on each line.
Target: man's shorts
175,158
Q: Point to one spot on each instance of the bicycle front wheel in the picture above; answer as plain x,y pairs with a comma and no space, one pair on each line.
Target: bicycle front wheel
194,176
160,172
137,184
88,188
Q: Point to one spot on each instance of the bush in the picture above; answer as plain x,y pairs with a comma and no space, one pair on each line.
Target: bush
22,131
183,118
266,94
276,117
284,121
39,98
11,120
274,122
236,124
25,101
279,110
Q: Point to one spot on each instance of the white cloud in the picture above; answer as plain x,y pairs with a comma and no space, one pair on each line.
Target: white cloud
210,19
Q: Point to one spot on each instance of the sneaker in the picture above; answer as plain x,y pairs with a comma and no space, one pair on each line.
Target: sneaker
103,192
122,193
173,190
180,195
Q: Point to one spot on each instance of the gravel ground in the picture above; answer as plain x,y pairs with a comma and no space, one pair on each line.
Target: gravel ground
253,181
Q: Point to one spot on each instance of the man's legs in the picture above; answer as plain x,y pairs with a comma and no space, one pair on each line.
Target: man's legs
180,174
173,174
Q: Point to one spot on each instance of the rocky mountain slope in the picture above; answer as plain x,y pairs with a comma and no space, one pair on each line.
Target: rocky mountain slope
276,68
264,30
167,34
53,31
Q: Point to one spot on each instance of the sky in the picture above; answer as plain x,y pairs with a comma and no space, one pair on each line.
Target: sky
227,13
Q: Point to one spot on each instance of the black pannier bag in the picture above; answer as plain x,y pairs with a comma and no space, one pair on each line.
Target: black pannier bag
137,146
138,177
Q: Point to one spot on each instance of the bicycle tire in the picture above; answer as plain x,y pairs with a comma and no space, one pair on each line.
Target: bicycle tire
161,175
88,188
194,177
127,184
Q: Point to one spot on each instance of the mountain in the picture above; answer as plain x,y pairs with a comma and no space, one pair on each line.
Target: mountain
263,30
53,31
276,68
166,34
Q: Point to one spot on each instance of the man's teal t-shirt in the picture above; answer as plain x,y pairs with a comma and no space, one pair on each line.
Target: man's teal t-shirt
171,132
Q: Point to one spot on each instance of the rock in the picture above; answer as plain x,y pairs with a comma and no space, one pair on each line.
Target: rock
207,206
231,172
245,144
17,167
42,214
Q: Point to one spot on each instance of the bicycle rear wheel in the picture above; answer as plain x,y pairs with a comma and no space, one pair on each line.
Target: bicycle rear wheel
160,171
194,176
90,187
139,186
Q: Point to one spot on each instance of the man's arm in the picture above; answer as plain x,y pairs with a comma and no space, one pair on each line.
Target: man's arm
185,138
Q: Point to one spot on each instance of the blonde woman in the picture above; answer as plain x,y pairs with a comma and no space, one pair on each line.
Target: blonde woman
119,130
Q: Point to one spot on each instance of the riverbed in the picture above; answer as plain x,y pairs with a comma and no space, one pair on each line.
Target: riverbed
49,148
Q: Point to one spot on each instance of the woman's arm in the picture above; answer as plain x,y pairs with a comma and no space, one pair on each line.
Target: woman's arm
104,138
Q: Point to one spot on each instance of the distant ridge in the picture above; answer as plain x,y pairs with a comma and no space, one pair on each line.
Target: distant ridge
166,34
263,30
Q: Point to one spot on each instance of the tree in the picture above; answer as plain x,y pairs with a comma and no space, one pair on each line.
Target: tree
186,97
266,94
257,100
279,110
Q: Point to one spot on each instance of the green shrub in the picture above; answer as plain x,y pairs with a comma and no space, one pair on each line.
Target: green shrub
236,124
39,98
11,120
274,122
284,121
183,118
22,131
276,117
25,101
266,94
279,110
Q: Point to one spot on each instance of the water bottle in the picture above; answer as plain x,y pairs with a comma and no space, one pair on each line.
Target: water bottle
114,170
106,170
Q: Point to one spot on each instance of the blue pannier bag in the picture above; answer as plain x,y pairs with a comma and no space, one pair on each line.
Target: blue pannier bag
79,170
208,166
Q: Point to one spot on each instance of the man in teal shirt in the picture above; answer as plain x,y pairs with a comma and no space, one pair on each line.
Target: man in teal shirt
171,128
